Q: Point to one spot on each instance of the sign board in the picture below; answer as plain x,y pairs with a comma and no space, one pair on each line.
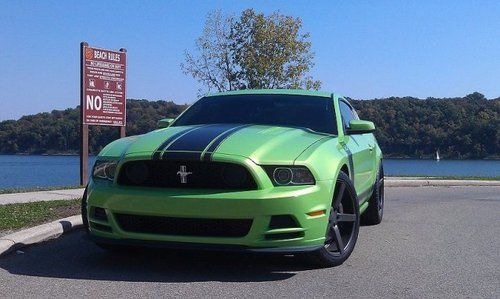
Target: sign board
103,84
102,95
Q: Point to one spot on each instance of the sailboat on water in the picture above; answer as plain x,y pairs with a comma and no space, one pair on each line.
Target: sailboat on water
437,156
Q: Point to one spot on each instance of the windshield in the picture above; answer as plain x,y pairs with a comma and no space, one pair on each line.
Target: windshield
315,113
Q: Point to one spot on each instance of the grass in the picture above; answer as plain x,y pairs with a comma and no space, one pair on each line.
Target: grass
20,215
33,189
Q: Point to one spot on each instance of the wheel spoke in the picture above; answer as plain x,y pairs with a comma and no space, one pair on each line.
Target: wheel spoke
338,239
340,194
332,217
346,217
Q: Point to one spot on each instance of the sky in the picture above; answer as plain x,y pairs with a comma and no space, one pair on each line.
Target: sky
363,49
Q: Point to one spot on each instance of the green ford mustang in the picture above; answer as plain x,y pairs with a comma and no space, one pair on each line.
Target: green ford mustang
282,171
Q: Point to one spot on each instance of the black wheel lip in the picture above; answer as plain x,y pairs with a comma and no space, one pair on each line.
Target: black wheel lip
380,192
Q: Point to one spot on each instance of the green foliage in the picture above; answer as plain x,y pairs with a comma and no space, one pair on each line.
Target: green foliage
460,128
252,51
58,131
272,52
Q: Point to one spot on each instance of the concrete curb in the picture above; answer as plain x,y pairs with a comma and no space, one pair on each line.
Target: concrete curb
437,183
39,233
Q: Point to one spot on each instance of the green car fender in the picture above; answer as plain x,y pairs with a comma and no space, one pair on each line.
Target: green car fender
117,149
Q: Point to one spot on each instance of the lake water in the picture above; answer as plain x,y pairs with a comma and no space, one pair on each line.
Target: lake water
45,171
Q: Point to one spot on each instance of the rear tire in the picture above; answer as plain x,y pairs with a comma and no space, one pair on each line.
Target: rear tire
375,211
343,226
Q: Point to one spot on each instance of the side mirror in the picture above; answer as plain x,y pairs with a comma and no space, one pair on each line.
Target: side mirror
360,127
164,123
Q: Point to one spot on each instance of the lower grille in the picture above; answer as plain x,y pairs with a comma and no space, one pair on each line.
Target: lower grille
99,214
184,226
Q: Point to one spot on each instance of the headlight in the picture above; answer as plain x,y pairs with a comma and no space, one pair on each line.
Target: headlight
104,169
290,175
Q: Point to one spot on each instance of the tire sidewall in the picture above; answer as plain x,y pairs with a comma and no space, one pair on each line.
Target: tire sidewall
327,258
84,204
380,192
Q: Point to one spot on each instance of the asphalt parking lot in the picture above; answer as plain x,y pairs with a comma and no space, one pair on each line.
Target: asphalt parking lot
433,242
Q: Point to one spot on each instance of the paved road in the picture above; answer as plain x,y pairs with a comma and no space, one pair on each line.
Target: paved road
434,242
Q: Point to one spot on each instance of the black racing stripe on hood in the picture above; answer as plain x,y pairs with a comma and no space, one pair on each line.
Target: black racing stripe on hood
185,156
157,153
198,140
211,149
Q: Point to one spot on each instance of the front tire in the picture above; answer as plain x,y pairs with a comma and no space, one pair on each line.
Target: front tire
343,226
85,218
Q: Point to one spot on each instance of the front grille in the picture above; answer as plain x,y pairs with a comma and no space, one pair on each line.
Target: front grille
184,226
186,174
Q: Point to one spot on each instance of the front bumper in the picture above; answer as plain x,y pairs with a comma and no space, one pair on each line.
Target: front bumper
200,246
258,205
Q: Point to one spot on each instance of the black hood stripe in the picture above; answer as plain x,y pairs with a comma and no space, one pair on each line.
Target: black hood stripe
213,147
161,148
196,141
188,156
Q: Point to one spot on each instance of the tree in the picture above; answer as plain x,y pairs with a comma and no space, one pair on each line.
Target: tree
214,64
253,51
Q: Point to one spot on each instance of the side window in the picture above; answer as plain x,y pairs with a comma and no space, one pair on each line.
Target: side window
347,113
355,114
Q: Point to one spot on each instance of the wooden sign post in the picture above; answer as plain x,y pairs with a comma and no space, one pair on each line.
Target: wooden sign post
102,95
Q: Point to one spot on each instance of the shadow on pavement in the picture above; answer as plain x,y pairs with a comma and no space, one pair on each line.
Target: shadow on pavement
72,257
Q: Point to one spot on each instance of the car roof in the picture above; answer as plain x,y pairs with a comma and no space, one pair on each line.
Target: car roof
301,92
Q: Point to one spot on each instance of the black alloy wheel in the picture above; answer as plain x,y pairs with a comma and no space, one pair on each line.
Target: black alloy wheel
342,228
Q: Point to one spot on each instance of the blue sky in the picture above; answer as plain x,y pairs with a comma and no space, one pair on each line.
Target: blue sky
364,49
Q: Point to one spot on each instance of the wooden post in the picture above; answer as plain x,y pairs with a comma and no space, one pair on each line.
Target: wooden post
122,128
122,131
84,129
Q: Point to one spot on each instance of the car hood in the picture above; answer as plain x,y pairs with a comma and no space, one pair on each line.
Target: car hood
262,144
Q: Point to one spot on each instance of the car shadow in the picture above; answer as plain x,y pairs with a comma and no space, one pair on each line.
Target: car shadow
73,257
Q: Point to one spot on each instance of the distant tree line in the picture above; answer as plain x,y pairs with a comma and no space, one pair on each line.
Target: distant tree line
57,132
460,128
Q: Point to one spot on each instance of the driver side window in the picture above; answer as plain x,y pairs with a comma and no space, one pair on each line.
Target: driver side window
347,113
